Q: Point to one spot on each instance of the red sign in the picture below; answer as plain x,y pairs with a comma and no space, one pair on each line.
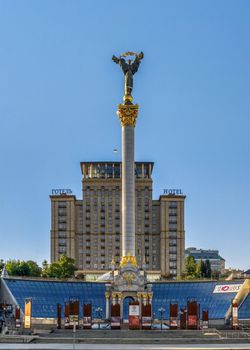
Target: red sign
227,288
134,322
192,320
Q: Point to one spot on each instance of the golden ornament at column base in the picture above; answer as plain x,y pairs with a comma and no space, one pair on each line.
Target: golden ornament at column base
127,99
107,295
125,260
127,114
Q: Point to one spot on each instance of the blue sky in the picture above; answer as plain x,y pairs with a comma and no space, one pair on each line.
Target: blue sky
59,90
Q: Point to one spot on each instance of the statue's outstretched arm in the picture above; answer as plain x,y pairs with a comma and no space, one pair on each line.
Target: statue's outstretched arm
115,59
137,62
140,55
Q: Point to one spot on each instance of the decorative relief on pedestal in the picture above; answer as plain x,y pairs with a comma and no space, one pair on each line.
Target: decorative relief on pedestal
129,278
128,114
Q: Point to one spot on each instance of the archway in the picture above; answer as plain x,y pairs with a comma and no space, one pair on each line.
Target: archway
125,307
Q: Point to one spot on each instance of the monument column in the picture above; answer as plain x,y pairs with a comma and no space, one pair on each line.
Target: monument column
128,279
128,115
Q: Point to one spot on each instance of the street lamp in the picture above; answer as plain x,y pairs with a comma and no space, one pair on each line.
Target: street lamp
161,310
99,314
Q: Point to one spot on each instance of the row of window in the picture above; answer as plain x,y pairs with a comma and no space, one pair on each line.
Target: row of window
63,234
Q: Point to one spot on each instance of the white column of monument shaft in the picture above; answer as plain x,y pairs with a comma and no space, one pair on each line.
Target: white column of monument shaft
128,191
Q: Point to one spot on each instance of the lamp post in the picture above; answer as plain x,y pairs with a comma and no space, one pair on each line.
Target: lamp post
161,310
99,313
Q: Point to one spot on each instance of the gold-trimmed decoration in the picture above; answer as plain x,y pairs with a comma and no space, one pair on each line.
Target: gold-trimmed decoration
127,114
128,99
119,295
129,259
129,278
150,295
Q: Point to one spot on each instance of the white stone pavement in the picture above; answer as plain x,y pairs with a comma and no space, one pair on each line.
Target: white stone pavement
123,346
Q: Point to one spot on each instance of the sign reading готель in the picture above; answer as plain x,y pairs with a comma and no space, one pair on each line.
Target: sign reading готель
61,191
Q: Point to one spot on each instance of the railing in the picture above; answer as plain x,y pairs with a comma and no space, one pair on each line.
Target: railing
242,333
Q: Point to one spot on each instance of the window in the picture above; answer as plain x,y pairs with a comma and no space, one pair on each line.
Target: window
62,212
173,226
62,241
62,204
173,234
172,242
173,219
172,249
62,226
62,234
172,256
62,219
62,250
172,205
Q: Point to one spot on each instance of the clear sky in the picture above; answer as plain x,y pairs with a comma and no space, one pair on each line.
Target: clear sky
59,91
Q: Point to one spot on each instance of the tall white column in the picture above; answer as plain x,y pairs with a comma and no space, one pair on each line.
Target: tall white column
128,191
128,114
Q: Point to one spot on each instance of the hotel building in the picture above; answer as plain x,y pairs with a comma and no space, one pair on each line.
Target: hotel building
89,229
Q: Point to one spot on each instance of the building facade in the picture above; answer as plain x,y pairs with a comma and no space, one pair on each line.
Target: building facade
216,261
89,230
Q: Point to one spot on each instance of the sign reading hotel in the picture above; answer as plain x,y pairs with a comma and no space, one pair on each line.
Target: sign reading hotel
227,288
172,191
58,191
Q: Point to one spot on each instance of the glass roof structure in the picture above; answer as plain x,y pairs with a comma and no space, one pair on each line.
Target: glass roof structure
46,294
244,309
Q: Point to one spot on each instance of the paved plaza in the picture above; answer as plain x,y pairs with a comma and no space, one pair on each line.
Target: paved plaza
123,346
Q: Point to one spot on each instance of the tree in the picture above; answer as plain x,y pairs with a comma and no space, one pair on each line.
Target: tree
208,269
190,266
201,269
198,271
67,266
45,267
34,269
23,268
1,265
12,267
64,268
53,270
215,274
